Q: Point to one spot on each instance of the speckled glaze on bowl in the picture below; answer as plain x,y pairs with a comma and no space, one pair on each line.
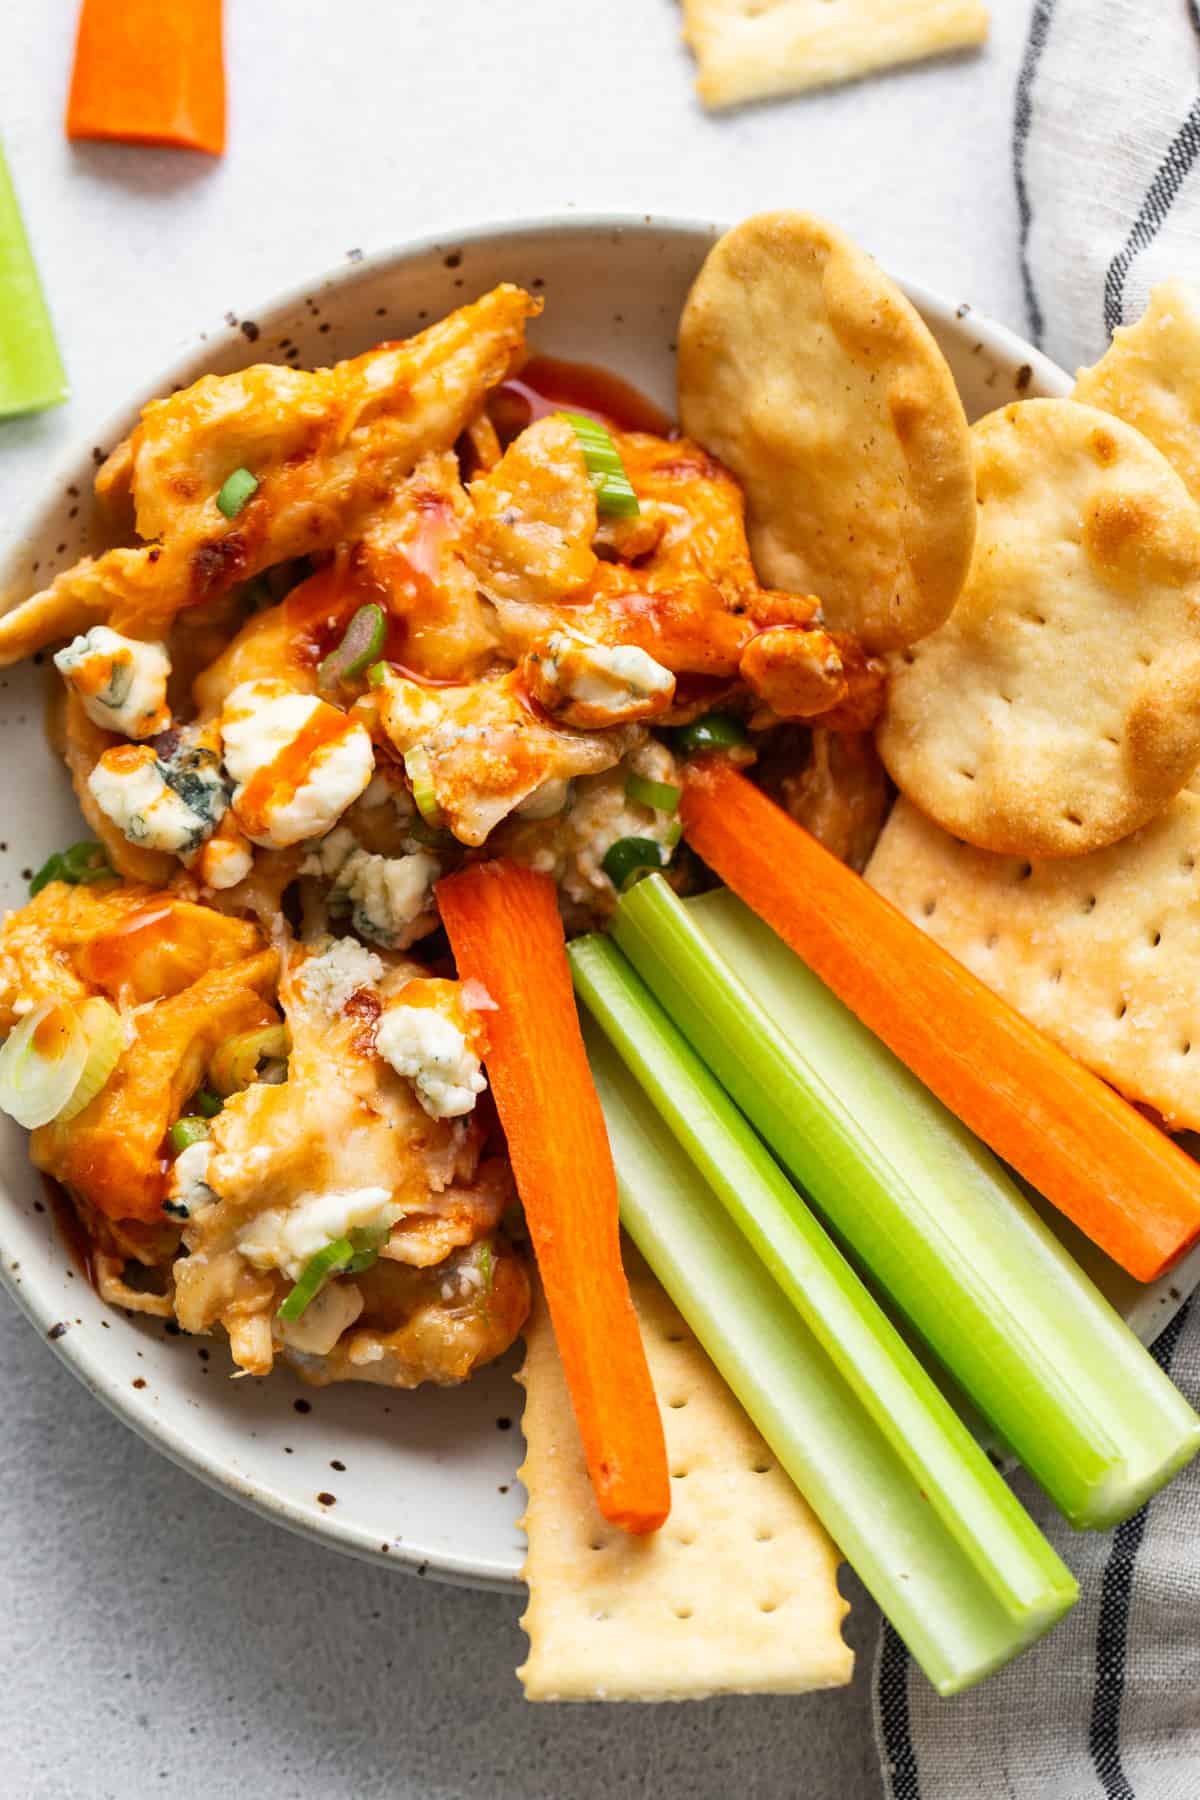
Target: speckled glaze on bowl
423,1480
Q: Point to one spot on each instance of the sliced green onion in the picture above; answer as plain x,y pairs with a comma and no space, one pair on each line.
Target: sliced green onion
333,1259
711,731
235,1064
420,773
672,835
614,491
931,1527
377,674
79,865
922,1205
41,1063
31,371
361,644
485,1263
206,1103
630,858
659,796
344,1256
236,489
105,1036
185,1132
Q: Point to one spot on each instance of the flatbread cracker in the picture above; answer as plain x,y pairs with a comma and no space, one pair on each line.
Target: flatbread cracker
812,377
1058,709
1150,377
738,1591
753,49
1101,951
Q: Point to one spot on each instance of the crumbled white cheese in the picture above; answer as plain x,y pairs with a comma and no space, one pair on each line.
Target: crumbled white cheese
285,1238
142,797
260,721
389,898
427,1048
606,682
329,979
121,681
187,1184
224,861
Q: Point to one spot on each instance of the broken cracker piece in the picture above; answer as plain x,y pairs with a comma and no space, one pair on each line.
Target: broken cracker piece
1150,377
753,49
1097,951
738,1591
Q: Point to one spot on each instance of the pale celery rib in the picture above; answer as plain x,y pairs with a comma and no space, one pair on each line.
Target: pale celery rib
31,372
922,1205
934,1533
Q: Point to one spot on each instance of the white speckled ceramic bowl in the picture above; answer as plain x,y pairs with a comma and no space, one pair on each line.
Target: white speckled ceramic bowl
425,1479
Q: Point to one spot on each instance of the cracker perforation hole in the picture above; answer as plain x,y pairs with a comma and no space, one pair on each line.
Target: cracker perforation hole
991,940
1073,818
686,1538
760,1468
1187,864
1089,904
1185,1049
680,1474
678,1403
1155,939
682,1612
763,1535
967,774
1121,1010
768,1606
929,908
1025,871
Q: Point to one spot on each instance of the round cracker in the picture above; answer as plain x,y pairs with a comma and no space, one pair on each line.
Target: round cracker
812,377
1058,709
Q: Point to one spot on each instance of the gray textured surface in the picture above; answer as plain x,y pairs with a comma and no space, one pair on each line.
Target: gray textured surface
154,1638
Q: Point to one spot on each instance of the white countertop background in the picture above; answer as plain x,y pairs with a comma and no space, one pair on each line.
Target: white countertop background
154,1638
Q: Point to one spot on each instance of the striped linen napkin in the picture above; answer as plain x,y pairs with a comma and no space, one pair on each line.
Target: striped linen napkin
1106,159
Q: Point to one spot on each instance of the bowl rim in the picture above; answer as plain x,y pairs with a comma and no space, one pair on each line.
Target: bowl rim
74,1349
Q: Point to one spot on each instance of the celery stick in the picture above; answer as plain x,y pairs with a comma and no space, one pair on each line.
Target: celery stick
933,1531
31,373
922,1204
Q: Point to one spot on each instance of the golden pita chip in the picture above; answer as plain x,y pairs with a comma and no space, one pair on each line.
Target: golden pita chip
817,383
738,1591
1150,377
753,49
1101,951
1058,708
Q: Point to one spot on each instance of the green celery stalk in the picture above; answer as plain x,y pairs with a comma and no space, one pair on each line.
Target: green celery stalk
31,371
933,1531
923,1206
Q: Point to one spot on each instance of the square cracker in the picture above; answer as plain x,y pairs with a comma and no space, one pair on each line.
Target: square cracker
1150,377
738,1591
1101,951
753,49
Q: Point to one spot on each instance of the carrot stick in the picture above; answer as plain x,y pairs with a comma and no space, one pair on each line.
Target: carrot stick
504,928
149,72
1092,1155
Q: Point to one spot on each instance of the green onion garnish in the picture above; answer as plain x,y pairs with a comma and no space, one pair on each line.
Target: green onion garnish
712,731
420,773
614,492
235,1064
191,1129
206,1103
344,1256
80,865
630,858
855,1420
659,796
377,674
236,489
434,837
31,371
925,1207
360,646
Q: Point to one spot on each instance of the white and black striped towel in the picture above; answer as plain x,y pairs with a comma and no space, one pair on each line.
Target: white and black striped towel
1107,167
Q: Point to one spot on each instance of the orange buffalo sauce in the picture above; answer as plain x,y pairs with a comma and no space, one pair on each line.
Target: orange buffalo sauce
276,782
548,384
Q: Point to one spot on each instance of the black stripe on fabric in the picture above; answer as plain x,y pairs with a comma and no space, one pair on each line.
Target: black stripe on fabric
1104,1735
1039,31
894,1718
1193,7
1170,176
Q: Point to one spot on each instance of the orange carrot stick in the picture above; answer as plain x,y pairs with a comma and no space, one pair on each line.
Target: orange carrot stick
504,928
1121,1180
149,72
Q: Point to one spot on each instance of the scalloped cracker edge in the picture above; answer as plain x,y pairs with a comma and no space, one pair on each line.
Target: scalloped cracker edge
1102,952
757,49
736,1594
1150,377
